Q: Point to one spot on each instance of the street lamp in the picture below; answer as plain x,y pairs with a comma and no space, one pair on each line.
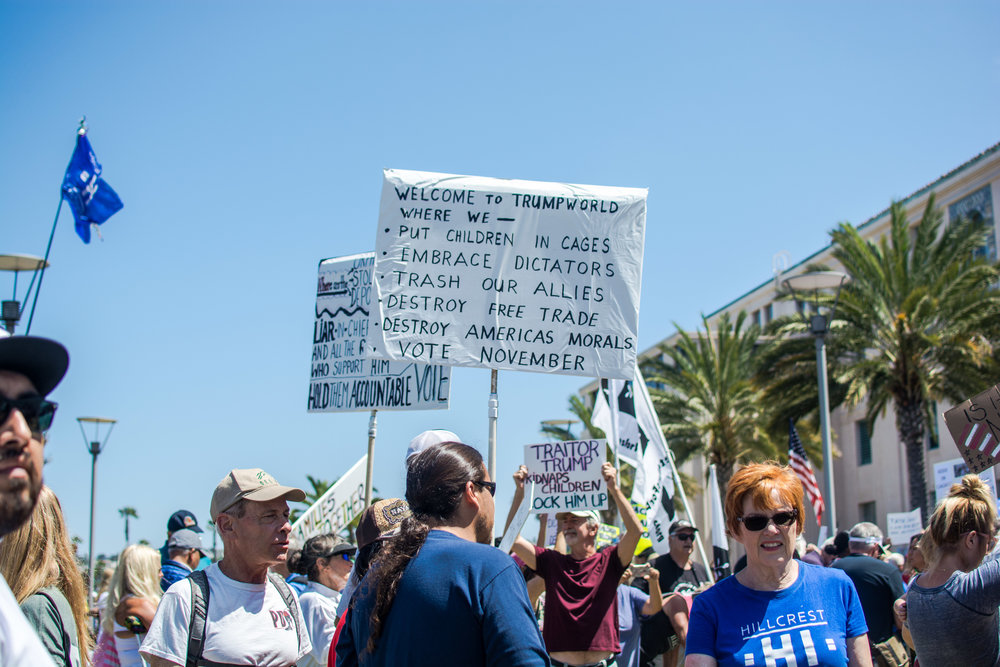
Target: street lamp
94,446
11,312
818,282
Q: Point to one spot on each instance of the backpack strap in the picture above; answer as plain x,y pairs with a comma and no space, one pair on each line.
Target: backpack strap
67,640
199,617
290,601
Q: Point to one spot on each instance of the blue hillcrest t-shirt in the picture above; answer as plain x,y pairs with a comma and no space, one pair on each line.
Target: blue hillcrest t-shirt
807,623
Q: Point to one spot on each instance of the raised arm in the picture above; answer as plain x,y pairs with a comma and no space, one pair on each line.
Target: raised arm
655,602
633,529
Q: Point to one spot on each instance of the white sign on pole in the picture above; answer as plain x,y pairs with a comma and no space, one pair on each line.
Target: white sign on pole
901,526
520,517
336,508
342,379
508,274
567,475
952,471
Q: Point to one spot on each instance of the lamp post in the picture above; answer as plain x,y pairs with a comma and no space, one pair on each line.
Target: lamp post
818,282
11,313
94,446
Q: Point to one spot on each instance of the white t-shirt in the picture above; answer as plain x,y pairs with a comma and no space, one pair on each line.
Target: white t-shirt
247,624
319,611
19,645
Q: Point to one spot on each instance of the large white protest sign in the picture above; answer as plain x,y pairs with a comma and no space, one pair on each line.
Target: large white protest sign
508,274
336,508
951,472
342,379
567,475
901,526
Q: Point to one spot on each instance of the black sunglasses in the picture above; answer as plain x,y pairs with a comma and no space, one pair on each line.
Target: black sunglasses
37,412
758,522
685,537
489,486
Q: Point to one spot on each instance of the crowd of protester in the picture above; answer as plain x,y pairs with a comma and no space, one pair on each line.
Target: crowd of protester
422,583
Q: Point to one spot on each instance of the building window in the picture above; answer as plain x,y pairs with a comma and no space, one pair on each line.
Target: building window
864,443
768,313
866,512
934,434
756,317
978,206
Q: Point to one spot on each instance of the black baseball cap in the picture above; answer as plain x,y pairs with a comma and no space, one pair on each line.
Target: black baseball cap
41,360
681,524
182,519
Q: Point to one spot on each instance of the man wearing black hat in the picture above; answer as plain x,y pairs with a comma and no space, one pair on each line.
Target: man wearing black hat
182,520
678,574
677,571
30,368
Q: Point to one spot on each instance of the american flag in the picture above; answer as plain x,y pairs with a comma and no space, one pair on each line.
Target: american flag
800,464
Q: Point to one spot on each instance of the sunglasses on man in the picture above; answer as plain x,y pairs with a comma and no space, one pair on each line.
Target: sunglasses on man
37,412
685,537
489,486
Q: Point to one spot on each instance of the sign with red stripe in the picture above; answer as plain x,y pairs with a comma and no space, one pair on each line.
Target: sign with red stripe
975,427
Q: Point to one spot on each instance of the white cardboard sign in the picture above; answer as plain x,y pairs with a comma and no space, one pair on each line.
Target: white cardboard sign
508,274
336,508
567,475
952,471
901,526
342,379
520,517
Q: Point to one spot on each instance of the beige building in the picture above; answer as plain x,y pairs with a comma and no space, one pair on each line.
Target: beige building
869,476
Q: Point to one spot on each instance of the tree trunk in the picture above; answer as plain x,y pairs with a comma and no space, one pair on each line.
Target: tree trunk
910,427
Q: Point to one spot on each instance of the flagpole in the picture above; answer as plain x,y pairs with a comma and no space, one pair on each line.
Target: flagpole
372,428
493,411
687,510
613,396
80,131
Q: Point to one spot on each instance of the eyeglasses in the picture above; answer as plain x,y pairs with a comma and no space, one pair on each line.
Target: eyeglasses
758,522
348,557
685,537
37,412
489,486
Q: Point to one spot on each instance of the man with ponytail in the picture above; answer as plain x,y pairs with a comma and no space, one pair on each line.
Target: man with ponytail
438,593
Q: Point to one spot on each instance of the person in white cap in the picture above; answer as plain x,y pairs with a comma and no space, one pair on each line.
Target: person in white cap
236,612
581,600
429,439
30,368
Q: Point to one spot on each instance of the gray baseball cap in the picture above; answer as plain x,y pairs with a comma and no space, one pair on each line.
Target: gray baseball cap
186,539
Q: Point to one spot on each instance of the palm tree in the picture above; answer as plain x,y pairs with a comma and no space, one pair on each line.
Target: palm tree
319,487
711,404
918,318
579,408
126,513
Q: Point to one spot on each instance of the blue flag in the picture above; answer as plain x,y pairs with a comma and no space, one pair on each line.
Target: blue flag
92,200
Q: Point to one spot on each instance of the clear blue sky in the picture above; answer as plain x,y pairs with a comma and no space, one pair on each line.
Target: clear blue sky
247,141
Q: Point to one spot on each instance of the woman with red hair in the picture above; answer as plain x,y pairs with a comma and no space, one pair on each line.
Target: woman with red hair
777,607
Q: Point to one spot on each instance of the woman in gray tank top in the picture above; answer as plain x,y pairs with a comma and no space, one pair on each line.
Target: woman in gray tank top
952,608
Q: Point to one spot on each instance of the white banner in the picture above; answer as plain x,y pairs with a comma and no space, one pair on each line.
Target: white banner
641,444
901,526
567,475
342,380
508,274
336,508
520,517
